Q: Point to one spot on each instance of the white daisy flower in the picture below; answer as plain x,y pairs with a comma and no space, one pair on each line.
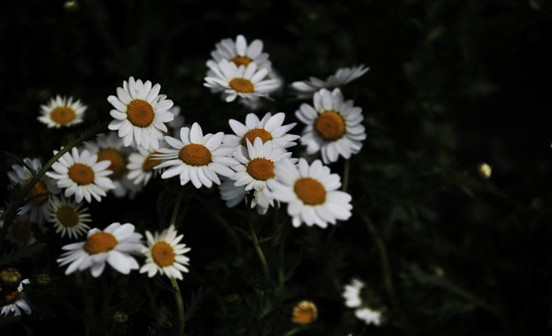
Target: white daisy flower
141,165
37,198
243,81
17,301
231,194
311,192
111,148
69,217
62,111
115,245
165,255
240,52
351,293
333,126
196,157
270,127
368,316
140,113
305,89
82,175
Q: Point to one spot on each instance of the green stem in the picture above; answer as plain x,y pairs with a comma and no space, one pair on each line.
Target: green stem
294,331
177,207
180,307
11,210
260,253
346,172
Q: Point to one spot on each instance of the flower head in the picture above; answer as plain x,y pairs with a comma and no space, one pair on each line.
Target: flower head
305,89
115,245
304,312
165,255
240,52
351,293
16,300
69,217
333,126
140,113
141,165
62,112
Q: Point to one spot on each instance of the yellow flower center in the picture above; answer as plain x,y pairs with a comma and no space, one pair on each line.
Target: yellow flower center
163,254
140,113
21,230
242,85
330,125
62,115
261,169
10,276
38,194
81,174
241,60
67,216
304,312
256,133
150,162
195,155
310,191
100,242
118,164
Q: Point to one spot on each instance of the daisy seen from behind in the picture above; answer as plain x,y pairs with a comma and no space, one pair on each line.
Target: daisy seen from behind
140,113
62,112
165,254
244,81
311,193
306,89
115,245
333,126
196,157
82,175
69,217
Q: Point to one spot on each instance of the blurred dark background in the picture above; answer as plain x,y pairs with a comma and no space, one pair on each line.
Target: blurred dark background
452,84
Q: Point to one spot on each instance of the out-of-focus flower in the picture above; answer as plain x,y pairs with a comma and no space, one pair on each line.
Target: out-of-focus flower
368,316
62,112
304,312
351,293
16,301
69,217
305,89
165,255
141,165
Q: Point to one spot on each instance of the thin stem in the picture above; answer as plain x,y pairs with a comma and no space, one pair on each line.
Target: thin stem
346,172
177,207
294,331
179,306
260,253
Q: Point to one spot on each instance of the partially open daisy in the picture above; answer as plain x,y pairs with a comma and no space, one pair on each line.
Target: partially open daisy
141,165
196,157
140,113
311,192
116,245
270,127
69,217
165,255
16,301
62,111
333,126
240,52
37,198
82,175
243,81
305,89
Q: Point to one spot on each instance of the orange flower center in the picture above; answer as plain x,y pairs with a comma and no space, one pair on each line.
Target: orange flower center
67,216
150,162
140,113
330,125
304,312
10,276
38,194
261,169
242,85
13,296
118,164
81,174
100,242
195,155
310,191
241,60
163,254
62,115
256,133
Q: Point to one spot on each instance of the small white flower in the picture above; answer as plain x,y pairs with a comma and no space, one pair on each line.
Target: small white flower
311,192
82,175
333,126
305,89
368,316
351,293
62,111
140,113
17,301
165,255
240,52
141,165
243,81
115,245
69,217
196,157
